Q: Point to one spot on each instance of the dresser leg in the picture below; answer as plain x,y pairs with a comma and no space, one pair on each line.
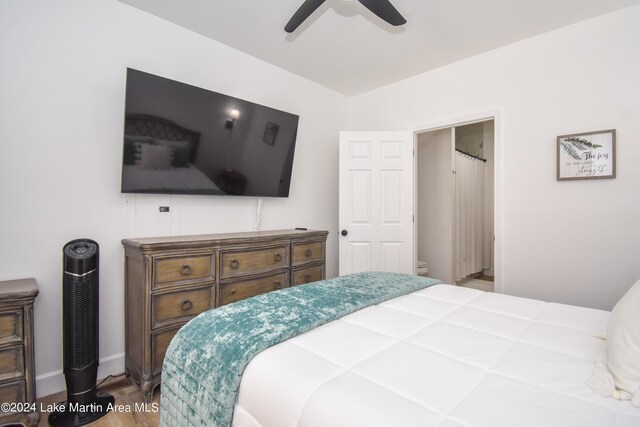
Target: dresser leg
146,387
33,418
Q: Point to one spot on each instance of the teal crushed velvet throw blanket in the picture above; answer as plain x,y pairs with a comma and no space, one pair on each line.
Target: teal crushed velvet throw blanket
204,363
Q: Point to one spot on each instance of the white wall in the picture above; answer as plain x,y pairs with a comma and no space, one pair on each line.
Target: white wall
470,139
435,191
573,242
61,123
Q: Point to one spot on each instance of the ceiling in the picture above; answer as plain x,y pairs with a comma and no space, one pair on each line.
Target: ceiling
345,47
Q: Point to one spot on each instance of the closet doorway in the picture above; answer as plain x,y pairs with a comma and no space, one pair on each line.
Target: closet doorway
454,225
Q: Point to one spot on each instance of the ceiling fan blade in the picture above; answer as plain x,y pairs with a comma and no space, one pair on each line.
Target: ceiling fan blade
307,8
384,10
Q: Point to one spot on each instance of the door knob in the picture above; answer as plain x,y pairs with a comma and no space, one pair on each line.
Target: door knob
344,232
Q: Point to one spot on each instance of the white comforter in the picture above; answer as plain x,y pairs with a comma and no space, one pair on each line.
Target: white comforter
188,179
444,356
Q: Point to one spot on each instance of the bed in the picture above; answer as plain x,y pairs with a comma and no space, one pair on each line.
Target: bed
159,157
441,355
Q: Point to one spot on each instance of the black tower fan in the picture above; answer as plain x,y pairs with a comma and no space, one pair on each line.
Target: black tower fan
80,333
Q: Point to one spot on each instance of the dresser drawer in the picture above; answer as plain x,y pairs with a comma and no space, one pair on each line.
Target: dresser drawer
307,275
303,253
242,263
12,392
236,291
11,363
175,269
10,326
159,343
180,304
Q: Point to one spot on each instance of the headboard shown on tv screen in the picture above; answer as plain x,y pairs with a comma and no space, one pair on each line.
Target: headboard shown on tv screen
181,139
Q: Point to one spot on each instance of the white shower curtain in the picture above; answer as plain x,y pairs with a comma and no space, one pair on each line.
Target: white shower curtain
469,215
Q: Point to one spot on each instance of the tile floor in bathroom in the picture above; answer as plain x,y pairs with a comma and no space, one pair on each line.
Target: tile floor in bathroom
483,283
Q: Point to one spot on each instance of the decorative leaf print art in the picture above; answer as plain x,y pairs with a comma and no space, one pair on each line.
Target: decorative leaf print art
588,155
571,144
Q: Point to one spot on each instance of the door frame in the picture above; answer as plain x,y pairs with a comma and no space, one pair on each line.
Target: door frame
483,116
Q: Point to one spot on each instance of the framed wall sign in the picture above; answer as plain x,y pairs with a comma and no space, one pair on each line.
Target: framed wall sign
590,155
270,132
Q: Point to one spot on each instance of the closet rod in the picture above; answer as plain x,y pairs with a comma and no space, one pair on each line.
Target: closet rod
471,155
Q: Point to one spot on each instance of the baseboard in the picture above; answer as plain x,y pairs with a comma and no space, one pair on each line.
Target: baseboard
53,382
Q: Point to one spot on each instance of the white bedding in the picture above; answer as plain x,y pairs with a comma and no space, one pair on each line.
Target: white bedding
188,179
443,356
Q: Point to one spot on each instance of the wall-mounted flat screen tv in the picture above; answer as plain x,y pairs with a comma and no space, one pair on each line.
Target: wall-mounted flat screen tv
181,139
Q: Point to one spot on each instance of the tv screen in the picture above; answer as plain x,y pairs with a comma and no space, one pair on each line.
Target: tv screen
181,139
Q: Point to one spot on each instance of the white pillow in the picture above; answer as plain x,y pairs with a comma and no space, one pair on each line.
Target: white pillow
623,344
155,157
170,143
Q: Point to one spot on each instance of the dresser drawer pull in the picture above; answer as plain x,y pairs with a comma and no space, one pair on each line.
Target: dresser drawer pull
308,253
235,264
307,278
278,257
233,291
186,270
186,305
277,285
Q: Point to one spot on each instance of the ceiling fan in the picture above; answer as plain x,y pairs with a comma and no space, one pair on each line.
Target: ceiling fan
383,8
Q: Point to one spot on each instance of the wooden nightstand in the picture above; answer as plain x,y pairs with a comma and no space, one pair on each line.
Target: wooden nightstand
17,370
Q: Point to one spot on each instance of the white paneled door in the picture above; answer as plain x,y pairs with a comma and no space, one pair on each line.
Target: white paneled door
376,202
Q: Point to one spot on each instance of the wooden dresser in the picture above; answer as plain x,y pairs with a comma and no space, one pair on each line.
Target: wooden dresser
169,280
17,370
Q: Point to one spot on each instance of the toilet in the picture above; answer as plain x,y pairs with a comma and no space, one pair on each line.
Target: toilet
422,268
